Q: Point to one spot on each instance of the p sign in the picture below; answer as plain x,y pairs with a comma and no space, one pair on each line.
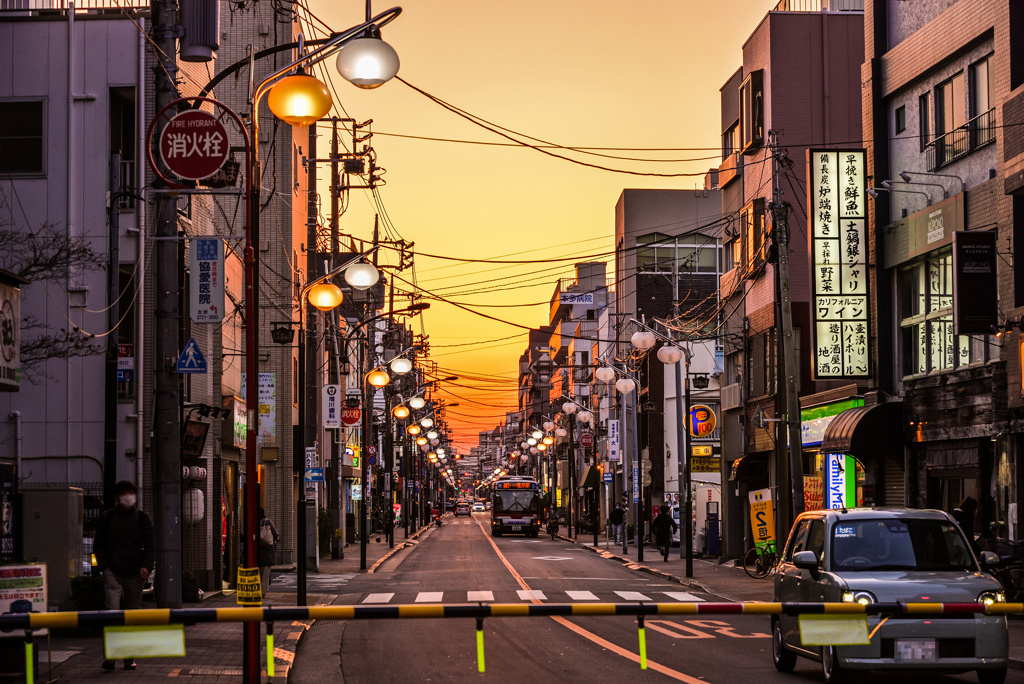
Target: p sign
762,518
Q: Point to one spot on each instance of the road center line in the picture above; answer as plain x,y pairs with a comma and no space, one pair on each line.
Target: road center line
586,634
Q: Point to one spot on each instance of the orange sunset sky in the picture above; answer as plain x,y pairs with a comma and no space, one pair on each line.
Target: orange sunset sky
600,73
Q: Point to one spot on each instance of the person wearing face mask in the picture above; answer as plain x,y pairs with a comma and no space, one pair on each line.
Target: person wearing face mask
125,548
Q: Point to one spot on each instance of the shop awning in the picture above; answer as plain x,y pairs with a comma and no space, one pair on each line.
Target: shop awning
750,468
865,429
591,477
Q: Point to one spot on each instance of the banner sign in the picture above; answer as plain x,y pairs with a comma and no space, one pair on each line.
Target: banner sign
247,589
975,290
812,493
840,481
206,280
839,252
10,337
267,398
614,453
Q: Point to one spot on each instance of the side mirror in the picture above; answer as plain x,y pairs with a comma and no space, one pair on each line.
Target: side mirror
989,560
806,560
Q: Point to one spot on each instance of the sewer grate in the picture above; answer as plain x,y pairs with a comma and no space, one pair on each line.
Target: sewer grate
213,671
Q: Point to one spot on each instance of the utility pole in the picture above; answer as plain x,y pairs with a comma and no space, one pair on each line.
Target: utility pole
683,435
113,289
334,486
167,313
780,234
309,374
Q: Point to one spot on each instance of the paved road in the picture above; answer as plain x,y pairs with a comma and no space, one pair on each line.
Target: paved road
460,563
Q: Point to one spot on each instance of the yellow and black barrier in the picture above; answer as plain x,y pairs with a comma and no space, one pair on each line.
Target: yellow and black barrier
28,622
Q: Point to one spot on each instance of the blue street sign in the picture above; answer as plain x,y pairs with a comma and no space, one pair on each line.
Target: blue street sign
191,359
608,477
373,459
314,474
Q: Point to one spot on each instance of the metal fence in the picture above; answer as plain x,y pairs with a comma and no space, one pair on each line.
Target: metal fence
65,5
947,148
820,6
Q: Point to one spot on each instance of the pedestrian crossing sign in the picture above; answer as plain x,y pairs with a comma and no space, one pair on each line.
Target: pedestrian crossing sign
191,359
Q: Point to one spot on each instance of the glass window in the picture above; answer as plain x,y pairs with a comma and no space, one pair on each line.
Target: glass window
901,119
21,137
797,539
981,87
905,544
816,540
950,113
924,119
926,311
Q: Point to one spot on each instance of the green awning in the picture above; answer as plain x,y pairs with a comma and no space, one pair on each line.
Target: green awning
591,477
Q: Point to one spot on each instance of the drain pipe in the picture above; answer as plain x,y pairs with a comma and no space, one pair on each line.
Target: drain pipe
16,417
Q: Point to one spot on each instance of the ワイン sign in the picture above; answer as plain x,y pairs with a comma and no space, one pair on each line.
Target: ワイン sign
194,144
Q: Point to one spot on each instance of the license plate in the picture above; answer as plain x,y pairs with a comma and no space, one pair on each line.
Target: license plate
516,522
915,650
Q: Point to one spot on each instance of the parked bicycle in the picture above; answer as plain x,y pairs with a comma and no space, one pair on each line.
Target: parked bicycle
760,560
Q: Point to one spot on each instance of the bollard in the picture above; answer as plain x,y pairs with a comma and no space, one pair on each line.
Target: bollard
643,642
270,649
480,644
30,675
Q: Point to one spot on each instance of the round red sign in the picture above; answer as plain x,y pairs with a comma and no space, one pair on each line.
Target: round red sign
586,439
351,416
194,144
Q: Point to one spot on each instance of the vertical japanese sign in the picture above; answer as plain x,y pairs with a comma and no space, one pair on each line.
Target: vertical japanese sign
762,517
840,481
839,251
206,280
331,406
614,454
267,397
975,290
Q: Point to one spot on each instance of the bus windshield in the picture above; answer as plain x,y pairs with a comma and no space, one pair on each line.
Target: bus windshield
516,501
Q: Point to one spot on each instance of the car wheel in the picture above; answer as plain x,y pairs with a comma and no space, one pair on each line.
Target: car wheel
834,674
784,660
992,676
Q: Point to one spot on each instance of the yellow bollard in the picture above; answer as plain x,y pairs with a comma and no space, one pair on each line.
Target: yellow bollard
480,644
643,642
30,675
270,649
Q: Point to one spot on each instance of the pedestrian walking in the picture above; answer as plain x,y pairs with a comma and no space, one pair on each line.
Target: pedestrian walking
268,550
125,548
664,527
616,519
964,515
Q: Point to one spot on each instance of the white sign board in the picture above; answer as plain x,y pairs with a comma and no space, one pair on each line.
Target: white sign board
331,407
267,399
614,455
576,298
206,280
23,590
839,252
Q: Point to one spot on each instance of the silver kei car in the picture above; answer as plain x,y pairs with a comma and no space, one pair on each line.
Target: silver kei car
884,555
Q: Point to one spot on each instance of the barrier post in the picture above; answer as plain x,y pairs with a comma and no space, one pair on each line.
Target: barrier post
30,674
270,649
643,642
480,644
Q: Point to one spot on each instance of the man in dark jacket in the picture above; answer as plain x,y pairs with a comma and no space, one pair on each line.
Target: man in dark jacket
125,549
664,527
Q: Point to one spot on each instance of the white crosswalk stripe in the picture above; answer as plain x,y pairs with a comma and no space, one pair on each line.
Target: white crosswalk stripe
429,597
531,595
479,595
378,598
682,596
632,596
581,595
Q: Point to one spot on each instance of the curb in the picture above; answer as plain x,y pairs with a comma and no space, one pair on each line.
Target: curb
634,565
392,552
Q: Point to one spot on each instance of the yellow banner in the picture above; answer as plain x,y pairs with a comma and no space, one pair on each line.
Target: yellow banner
248,587
762,517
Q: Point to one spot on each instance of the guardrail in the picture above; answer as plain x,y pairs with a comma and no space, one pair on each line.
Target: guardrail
479,611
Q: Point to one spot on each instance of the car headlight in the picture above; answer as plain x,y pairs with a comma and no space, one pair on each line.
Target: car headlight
990,597
861,597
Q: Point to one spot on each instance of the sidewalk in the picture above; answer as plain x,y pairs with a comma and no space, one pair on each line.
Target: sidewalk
732,582
213,650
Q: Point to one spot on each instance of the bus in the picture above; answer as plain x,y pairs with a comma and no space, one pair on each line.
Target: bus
515,506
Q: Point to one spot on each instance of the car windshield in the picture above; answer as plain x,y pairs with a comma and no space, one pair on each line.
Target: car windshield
516,502
904,544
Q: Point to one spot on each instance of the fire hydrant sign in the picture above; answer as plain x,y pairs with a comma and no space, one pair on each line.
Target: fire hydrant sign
194,144
206,280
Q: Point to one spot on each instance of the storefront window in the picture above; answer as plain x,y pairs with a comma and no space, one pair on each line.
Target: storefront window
926,303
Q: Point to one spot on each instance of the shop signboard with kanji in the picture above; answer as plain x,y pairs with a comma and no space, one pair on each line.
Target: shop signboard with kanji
194,144
839,251
206,280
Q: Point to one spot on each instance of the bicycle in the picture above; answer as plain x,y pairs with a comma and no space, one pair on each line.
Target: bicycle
760,561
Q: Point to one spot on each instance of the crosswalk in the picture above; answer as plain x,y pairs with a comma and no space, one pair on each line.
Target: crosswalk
530,595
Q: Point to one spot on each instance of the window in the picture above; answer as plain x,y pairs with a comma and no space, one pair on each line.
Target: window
122,141
21,138
949,105
752,219
982,109
752,112
925,119
731,140
901,119
926,311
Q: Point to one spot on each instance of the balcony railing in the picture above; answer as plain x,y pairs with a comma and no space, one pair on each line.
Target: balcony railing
62,5
947,148
820,6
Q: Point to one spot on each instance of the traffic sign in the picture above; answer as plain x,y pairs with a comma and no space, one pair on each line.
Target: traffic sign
194,144
351,415
586,439
608,477
191,359
314,474
372,460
